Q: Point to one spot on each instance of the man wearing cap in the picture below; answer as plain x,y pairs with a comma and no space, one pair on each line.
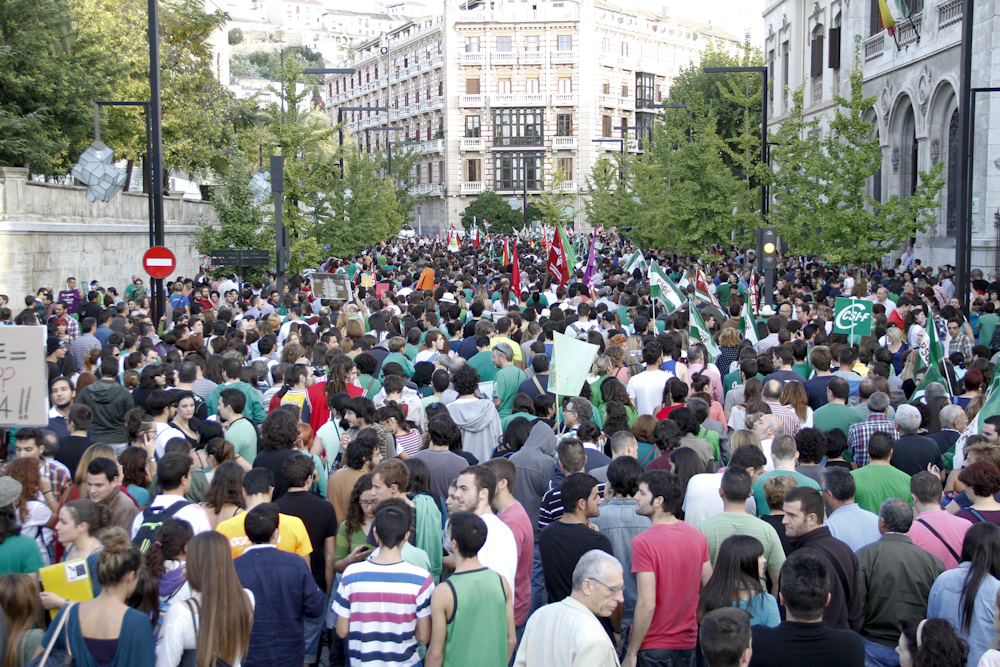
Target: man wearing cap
55,353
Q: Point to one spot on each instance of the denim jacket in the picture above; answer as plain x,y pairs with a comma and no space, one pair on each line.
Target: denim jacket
619,522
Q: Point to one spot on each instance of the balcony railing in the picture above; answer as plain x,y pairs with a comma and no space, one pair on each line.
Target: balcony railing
471,100
503,58
437,60
437,103
563,143
473,187
949,13
608,101
874,47
909,30
562,57
472,144
517,100
432,146
568,186
532,57
472,58
564,99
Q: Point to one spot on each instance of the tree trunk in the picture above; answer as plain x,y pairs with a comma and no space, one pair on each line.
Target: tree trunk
128,175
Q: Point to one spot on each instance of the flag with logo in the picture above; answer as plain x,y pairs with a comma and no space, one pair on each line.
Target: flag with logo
700,332
475,237
452,241
684,282
506,251
438,241
931,356
702,291
515,274
753,294
892,13
748,324
663,289
853,317
560,259
636,261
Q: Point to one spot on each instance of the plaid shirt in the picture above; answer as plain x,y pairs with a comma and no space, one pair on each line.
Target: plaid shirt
859,434
72,326
962,343
58,475
787,415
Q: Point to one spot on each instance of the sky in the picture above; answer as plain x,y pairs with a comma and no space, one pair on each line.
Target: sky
733,16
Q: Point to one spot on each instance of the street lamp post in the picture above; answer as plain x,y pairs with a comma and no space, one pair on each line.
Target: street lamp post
763,122
156,150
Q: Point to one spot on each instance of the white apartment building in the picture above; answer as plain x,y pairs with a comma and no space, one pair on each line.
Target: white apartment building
915,76
504,95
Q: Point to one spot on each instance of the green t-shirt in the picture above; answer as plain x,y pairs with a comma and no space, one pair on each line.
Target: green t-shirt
758,487
19,554
244,438
874,484
835,415
987,325
731,381
721,526
365,381
483,362
506,383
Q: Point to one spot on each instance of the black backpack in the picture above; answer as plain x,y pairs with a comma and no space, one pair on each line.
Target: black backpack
152,519
995,341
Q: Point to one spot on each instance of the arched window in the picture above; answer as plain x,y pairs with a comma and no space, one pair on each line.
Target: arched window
952,208
908,156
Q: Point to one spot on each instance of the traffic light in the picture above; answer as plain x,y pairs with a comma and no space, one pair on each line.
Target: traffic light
767,248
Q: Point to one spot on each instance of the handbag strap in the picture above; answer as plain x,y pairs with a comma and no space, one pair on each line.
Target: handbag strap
194,616
55,635
938,535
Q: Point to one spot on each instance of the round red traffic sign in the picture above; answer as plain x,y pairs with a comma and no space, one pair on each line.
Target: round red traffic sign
159,262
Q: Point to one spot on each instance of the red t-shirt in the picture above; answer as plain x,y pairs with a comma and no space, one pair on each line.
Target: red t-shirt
676,553
515,518
665,412
661,462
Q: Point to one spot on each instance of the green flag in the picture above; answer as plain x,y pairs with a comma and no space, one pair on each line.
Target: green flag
662,288
636,261
568,248
932,374
571,362
931,351
698,331
747,326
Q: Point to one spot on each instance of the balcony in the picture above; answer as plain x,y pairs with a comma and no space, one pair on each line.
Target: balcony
437,61
424,106
909,30
517,100
425,64
532,58
394,77
611,101
472,144
949,13
874,47
471,100
568,186
473,187
472,58
503,58
627,103
564,143
429,189
432,146
394,114
437,103
563,57
564,99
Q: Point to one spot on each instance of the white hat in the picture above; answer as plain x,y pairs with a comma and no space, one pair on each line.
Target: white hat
766,311
448,297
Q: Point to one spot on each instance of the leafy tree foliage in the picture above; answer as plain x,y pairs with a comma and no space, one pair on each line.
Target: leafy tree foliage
502,218
267,64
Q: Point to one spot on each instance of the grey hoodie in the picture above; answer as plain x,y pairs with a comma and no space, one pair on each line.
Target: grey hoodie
480,425
535,467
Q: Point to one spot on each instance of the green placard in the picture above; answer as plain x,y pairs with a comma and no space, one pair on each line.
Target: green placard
853,317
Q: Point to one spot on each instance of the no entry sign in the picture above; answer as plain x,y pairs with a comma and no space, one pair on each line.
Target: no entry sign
159,262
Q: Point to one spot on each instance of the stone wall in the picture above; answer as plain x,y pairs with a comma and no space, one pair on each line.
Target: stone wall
51,232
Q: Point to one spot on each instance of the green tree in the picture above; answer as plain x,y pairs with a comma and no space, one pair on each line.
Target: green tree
51,71
494,208
243,223
552,201
841,220
605,205
267,64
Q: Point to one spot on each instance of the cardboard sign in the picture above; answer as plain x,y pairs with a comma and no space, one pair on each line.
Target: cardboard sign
23,387
331,286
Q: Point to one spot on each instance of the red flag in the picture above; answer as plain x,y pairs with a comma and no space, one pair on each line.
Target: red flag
506,251
599,230
753,294
515,275
475,237
701,285
438,242
557,264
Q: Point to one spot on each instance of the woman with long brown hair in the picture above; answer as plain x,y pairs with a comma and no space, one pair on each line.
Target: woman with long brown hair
794,396
19,602
216,621
224,498
37,506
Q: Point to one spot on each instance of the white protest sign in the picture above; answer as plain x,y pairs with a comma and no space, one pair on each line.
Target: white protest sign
23,386
331,286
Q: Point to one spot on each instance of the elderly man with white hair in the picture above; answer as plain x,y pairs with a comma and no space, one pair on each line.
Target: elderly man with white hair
913,453
953,422
766,427
568,633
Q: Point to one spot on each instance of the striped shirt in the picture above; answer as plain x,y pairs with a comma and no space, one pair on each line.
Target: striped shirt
383,603
551,508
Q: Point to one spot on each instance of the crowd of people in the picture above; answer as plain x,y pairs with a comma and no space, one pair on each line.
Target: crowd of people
266,478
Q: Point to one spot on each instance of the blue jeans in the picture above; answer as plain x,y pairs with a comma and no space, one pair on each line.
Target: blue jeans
313,630
538,596
878,655
666,657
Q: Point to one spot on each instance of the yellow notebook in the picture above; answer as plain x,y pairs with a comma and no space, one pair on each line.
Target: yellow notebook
70,580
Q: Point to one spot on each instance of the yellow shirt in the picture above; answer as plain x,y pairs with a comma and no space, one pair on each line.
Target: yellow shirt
503,339
292,535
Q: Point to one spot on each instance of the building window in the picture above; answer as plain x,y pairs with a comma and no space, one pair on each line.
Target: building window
473,171
532,86
784,67
503,43
644,87
606,88
512,170
606,126
472,45
564,125
503,86
624,49
565,42
565,85
816,64
605,45
472,126
565,165
440,89
531,43
624,90
517,127
472,86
